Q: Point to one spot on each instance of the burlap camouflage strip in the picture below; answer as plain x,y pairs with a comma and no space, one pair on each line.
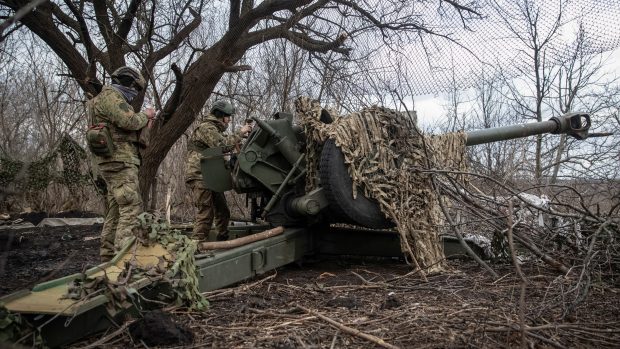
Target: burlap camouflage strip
385,153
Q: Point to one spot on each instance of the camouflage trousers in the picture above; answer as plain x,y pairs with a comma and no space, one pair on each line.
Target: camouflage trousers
212,208
123,205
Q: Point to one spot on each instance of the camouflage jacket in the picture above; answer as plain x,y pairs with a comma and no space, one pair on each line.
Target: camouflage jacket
208,134
110,107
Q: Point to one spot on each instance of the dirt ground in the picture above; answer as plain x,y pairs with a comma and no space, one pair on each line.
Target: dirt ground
32,255
346,303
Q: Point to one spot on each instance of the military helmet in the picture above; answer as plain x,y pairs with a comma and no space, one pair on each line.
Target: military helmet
132,73
223,107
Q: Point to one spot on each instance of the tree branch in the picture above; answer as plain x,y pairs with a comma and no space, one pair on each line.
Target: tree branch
382,26
460,8
127,21
235,8
246,6
41,23
299,39
175,41
19,14
237,68
87,42
175,98
103,22
264,10
63,17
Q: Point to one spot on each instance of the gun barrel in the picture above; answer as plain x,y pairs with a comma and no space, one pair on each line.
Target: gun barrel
489,135
267,128
573,124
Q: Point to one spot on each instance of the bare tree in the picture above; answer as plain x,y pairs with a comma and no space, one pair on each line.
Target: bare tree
582,84
500,160
98,36
37,105
524,22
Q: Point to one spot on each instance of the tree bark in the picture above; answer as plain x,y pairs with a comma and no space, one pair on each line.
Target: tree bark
199,82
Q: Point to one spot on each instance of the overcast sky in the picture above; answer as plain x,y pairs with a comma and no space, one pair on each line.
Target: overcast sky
432,107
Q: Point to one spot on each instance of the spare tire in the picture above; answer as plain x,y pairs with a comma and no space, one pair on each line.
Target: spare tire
338,188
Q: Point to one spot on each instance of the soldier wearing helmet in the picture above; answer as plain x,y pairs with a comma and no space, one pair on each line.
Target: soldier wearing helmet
111,111
212,207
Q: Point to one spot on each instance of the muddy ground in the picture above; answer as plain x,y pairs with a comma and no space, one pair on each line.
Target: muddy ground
32,255
346,303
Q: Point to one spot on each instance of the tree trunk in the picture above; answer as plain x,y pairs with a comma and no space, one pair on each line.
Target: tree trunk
153,198
538,170
200,81
558,158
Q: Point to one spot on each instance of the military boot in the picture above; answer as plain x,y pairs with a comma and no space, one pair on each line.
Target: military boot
222,236
199,237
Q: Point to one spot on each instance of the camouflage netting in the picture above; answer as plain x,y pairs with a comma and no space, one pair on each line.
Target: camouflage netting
387,156
66,164
14,328
177,273
181,274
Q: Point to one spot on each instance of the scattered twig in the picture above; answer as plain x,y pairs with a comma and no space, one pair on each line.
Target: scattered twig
583,292
291,322
333,345
104,340
516,327
348,329
222,292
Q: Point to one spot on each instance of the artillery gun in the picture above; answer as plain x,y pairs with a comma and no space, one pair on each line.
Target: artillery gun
270,168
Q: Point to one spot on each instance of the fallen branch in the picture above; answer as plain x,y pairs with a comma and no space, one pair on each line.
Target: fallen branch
222,292
585,274
516,328
527,243
222,245
349,330
104,340
288,323
459,235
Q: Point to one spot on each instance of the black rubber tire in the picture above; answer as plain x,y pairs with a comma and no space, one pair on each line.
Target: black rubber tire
337,185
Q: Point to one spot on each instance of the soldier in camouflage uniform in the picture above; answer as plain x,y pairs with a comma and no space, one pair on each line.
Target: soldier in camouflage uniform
120,170
211,205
